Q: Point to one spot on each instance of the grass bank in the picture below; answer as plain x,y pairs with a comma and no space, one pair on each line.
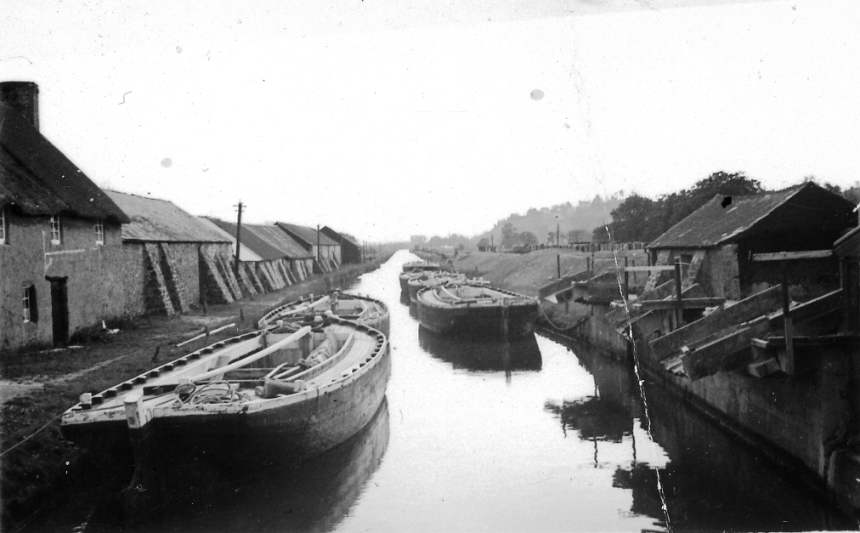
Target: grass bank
43,468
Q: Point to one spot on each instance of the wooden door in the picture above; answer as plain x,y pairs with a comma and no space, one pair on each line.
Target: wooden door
59,311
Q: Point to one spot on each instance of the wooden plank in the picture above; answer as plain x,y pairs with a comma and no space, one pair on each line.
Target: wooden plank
564,283
687,303
792,256
761,369
811,309
818,340
756,305
726,353
760,343
642,268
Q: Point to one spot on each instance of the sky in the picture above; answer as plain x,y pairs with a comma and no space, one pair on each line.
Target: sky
385,119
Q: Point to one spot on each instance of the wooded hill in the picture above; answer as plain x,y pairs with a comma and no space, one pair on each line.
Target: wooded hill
573,221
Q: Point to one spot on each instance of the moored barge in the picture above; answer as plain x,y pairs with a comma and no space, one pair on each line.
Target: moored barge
467,310
266,398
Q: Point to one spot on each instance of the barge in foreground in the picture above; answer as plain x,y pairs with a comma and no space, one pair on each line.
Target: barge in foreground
250,403
466,310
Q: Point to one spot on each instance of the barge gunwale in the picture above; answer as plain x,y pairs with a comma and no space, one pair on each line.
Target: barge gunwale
422,265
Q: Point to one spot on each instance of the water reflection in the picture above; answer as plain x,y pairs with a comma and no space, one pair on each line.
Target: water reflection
709,478
483,355
567,448
594,418
314,496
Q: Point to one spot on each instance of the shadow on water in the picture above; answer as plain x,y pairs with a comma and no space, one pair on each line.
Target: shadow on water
313,496
711,481
482,355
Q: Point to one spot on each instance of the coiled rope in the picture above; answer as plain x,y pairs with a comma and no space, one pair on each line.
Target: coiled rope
216,392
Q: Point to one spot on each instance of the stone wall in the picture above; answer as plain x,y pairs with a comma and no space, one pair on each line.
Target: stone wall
94,277
218,283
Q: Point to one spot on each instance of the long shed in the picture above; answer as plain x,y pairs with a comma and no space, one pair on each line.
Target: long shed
350,249
282,260
180,262
325,251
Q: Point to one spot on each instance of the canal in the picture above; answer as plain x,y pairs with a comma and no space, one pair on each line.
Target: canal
527,436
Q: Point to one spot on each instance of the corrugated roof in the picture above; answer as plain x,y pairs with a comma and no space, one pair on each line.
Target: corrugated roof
336,236
246,253
309,235
154,220
269,242
712,224
37,179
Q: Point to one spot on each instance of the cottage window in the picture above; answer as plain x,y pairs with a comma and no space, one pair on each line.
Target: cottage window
100,232
56,230
30,314
3,229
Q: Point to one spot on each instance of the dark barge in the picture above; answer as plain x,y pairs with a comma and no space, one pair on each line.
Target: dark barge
466,310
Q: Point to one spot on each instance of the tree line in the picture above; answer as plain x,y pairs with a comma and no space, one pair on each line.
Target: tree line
642,219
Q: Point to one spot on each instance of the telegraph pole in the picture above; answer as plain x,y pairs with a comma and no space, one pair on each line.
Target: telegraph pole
318,245
238,238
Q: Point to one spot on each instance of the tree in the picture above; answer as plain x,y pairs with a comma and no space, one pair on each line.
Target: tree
601,234
577,235
680,205
550,238
527,238
509,233
634,220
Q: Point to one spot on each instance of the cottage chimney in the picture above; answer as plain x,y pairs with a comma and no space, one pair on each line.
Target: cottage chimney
23,97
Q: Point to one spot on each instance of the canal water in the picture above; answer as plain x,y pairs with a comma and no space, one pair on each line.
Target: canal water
527,436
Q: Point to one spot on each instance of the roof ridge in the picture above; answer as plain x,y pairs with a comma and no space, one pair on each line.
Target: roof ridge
139,196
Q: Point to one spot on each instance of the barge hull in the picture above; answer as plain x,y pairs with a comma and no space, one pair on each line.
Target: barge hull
497,321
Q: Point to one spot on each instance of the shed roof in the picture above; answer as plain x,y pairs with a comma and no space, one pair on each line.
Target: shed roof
246,253
712,224
37,179
309,235
336,236
154,220
268,242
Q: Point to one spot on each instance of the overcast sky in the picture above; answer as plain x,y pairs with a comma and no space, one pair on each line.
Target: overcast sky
391,118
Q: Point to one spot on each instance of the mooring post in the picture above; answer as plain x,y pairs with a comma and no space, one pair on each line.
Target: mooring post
143,495
788,363
504,319
679,311
238,240
626,281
